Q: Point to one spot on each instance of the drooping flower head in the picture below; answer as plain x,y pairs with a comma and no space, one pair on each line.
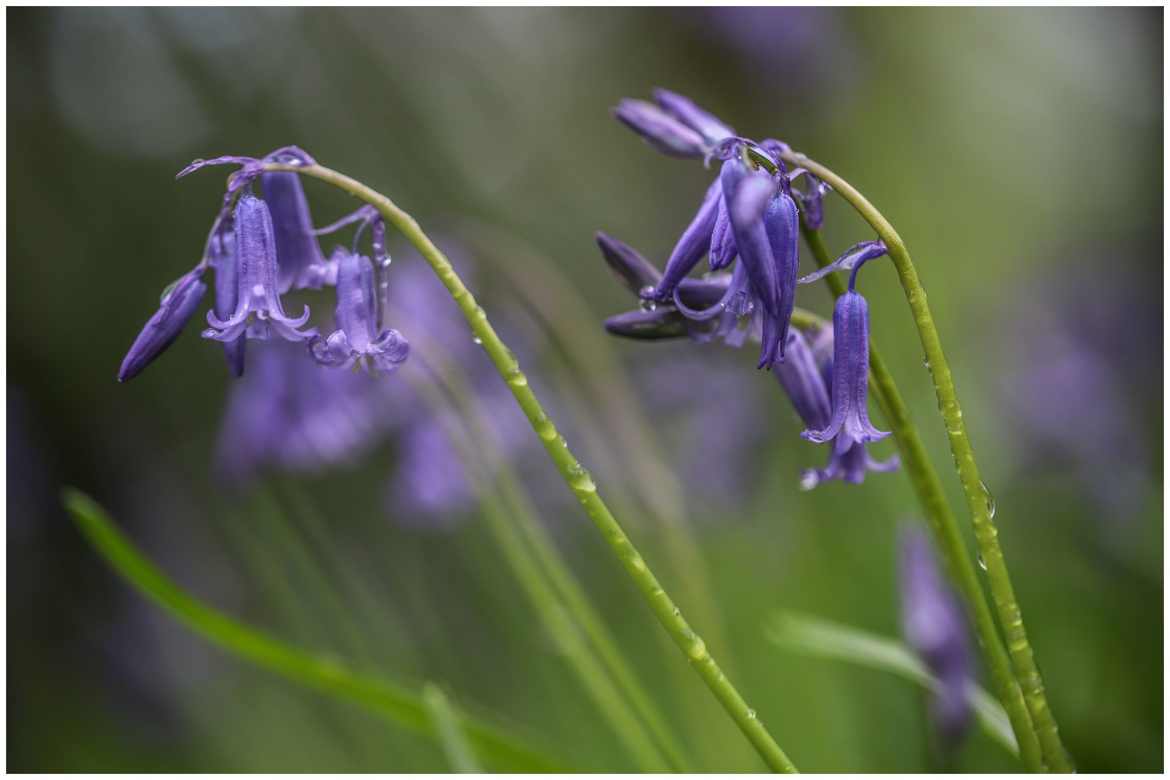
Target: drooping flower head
177,306
763,219
258,307
806,378
850,421
935,627
360,336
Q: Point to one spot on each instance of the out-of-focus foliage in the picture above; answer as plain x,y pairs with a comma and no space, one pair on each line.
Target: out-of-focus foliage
1018,151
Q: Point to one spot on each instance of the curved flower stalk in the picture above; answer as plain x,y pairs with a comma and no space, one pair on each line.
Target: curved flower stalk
1018,681
575,476
1042,727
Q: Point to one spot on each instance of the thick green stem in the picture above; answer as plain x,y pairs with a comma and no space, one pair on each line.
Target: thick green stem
979,501
574,474
928,488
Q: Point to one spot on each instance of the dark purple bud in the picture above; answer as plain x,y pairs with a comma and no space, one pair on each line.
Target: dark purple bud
222,255
657,324
297,251
935,627
692,245
722,251
660,129
165,325
360,337
684,110
850,422
635,271
258,308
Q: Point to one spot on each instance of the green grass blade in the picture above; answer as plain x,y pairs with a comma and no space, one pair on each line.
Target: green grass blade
825,639
389,700
459,752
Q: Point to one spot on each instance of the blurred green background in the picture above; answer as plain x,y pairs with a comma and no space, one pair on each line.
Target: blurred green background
1018,151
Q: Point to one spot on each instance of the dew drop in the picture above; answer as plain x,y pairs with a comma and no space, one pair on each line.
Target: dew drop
517,379
698,650
647,304
751,714
982,563
677,612
582,481
546,430
989,498
477,339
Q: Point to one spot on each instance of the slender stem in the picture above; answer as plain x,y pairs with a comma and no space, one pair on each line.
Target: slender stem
565,313
573,473
546,603
459,752
522,513
979,500
928,487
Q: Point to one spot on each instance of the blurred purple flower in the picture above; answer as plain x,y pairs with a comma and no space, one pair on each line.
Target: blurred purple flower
935,627
290,414
177,307
1076,383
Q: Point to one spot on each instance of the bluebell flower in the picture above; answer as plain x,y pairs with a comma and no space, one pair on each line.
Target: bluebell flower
806,378
702,309
662,131
177,307
258,307
935,627
360,337
850,421
222,257
763,217
298,255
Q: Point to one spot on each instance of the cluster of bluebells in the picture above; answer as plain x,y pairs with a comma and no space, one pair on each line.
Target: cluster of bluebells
748,228
262,247
295,408
935,627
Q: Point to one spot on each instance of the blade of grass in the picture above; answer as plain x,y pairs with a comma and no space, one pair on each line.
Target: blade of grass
458,751
390,700
825,639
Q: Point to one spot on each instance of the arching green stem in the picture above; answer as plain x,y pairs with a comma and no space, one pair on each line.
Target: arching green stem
927,486
574,474
1007,609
